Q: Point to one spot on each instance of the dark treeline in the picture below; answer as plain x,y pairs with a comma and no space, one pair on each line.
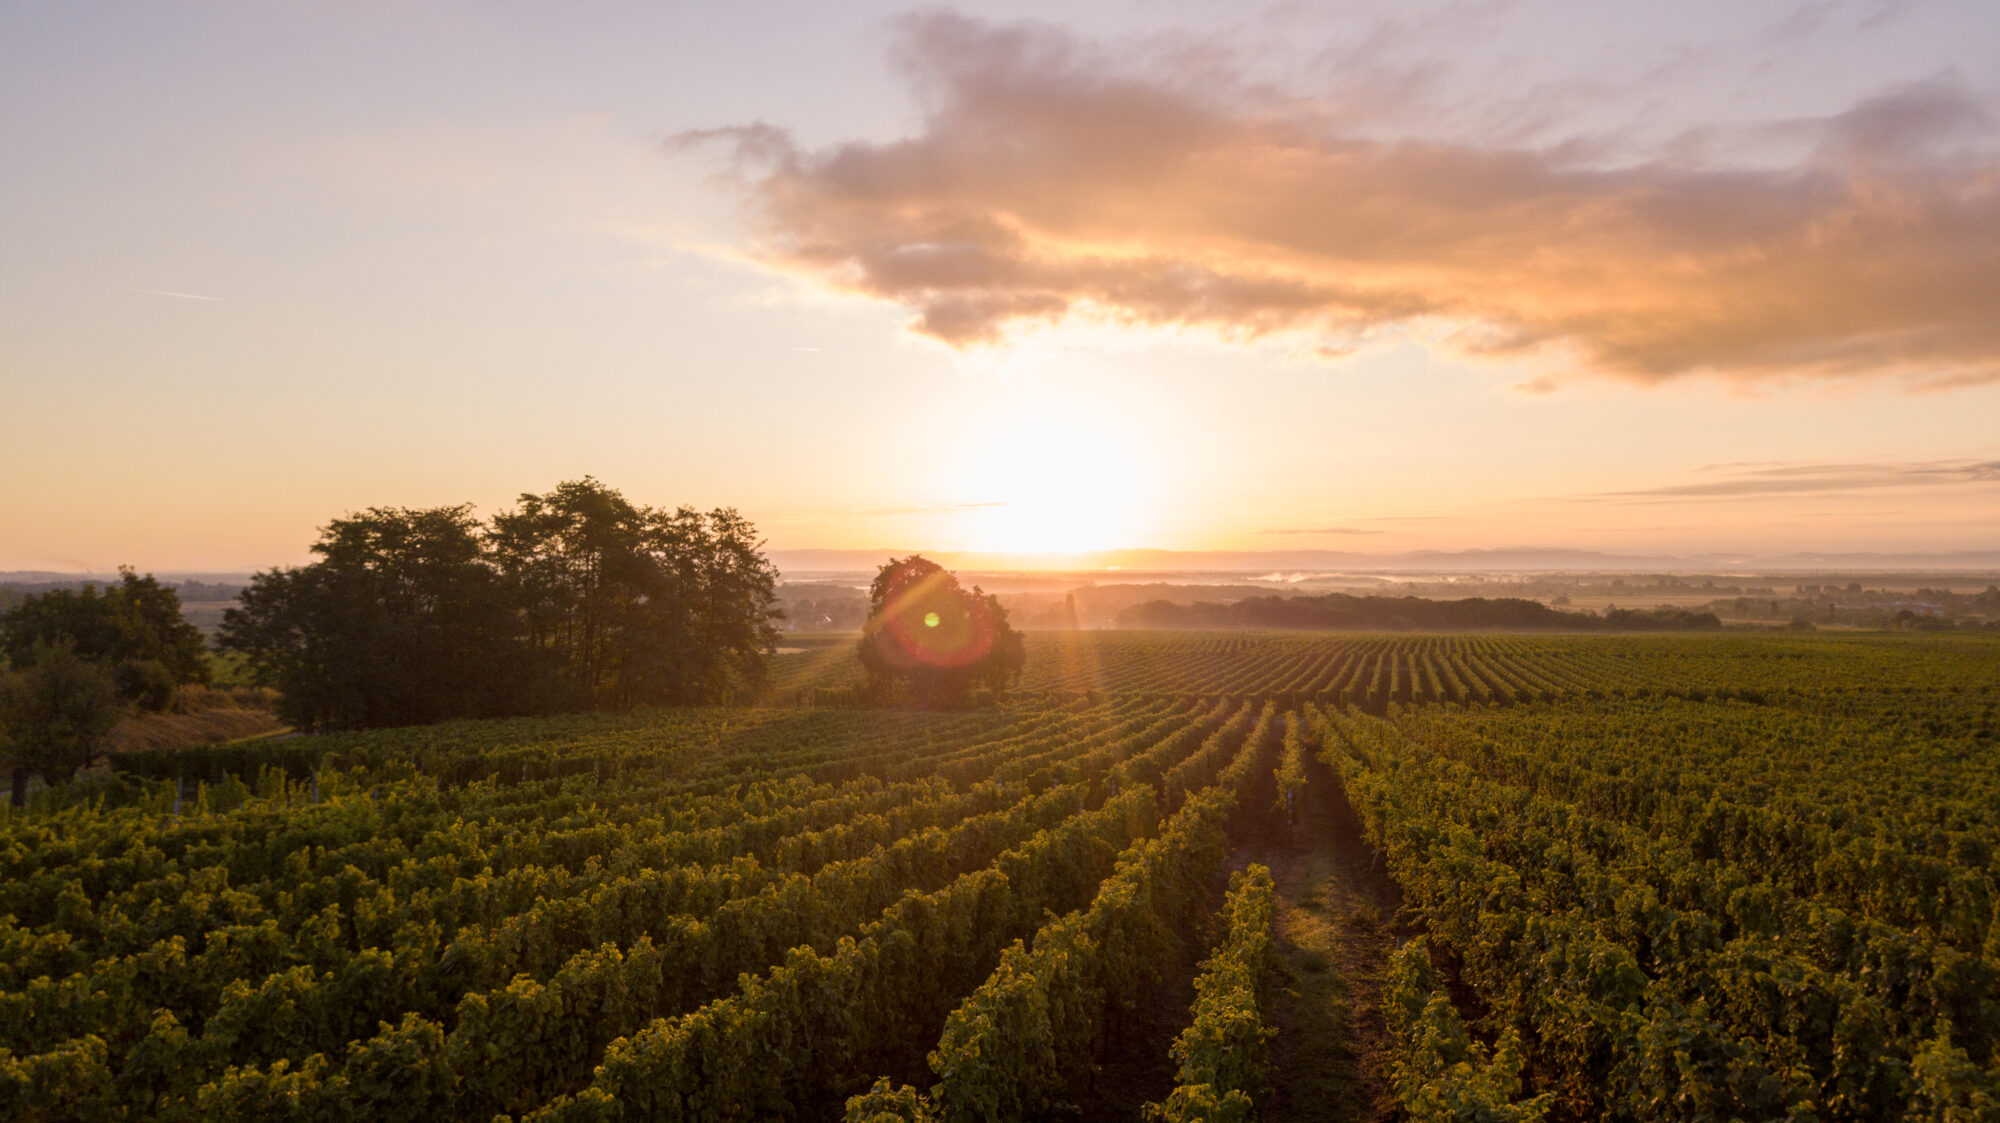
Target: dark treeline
823,607
133,628
576,599
1343,611
74,660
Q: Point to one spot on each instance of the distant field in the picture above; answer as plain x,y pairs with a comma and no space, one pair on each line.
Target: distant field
1573,877
1373,670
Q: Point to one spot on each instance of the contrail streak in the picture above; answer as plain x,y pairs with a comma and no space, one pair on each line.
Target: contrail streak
176,295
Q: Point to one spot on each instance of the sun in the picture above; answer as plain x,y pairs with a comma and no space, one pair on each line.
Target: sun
1052,484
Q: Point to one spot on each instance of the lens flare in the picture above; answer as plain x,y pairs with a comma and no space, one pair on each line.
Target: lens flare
929,621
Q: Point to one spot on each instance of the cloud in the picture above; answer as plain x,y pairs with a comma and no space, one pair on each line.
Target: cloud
927,509
1318,530
1056,179
1802,22
175,295
1820,479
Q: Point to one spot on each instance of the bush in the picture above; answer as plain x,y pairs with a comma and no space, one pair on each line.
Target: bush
146,683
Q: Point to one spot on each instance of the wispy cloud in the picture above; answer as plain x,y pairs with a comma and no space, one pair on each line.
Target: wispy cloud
1319,530
1055,179
924,509
175,295
1808,479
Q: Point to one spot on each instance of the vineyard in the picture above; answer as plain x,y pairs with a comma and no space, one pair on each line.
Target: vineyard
1630,877
1371,672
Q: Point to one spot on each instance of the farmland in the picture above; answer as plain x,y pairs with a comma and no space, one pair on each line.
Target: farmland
1584,877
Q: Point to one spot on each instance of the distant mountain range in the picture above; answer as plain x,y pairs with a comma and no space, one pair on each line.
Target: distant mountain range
171,577
1512,559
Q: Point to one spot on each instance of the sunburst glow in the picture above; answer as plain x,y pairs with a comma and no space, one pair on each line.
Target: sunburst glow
1052,483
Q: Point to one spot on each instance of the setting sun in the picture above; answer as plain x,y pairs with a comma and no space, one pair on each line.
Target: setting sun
927,560
1053,485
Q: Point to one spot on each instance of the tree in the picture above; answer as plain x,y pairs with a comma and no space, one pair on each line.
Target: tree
733,591
635,605
575,561
932,641
58,714
576,599
400,621
135,627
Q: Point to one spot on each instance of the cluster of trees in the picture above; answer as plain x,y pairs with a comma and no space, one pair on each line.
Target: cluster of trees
1923,610
1343,611
576,599
822,607
1661,619
78,659
930,642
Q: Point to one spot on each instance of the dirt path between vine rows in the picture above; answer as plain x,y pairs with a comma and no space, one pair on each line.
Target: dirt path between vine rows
1336,927
1138,1067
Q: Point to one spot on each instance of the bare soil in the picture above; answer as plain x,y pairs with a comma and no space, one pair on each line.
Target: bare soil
1336,925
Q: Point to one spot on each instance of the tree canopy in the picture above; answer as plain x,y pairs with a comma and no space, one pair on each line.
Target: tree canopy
573,600
133,628
56,714
402,620
930,642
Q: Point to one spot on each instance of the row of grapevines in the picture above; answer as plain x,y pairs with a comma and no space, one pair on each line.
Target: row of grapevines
1589,939
531,1009
331,951
116,992
804,1034
89,924
529,1041
749,932
1291,773
1899,826
1441,1074
1033,1026
1222,1059
667,1047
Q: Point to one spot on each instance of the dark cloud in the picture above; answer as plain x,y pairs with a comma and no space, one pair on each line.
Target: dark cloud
1055,179
1806,479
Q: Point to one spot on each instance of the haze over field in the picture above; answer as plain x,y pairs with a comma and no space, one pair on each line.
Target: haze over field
1701,281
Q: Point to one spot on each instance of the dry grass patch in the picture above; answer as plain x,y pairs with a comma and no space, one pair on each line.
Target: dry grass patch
180,731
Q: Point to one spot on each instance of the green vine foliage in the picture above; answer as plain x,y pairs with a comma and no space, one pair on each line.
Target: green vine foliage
1223,1052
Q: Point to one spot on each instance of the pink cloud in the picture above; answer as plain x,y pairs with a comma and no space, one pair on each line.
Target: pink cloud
1054,180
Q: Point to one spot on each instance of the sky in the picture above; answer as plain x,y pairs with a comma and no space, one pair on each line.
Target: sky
1630,277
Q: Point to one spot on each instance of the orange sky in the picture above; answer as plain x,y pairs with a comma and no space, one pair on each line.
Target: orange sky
1638,278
